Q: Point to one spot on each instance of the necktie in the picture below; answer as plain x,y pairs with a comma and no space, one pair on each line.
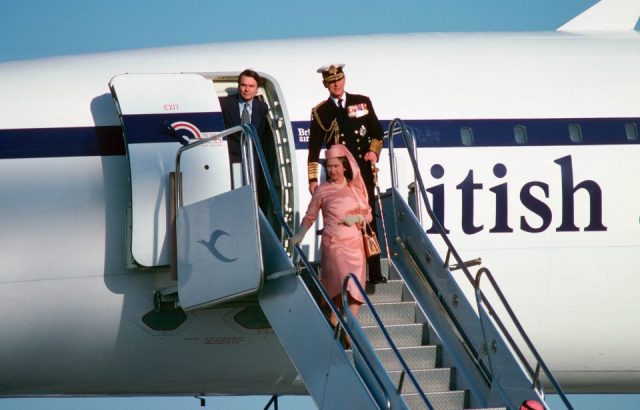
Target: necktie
342,113
246,117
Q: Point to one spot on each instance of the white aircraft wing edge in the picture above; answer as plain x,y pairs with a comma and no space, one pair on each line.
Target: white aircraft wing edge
606,15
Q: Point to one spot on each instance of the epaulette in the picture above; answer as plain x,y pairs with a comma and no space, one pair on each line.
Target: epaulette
318,105
332,132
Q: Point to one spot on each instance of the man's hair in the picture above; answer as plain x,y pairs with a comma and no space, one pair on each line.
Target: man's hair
249,73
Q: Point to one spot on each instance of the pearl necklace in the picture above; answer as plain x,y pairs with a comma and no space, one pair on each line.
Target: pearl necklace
341,184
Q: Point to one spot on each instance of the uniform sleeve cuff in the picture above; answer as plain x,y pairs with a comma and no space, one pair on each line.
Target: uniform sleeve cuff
312,171
376,147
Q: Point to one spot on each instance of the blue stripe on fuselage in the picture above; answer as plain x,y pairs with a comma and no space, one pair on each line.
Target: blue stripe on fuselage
501,133
61,142
101,140
108,140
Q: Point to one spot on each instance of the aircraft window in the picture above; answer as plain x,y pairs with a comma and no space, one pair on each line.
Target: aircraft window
520,134
575,133
632,131
466,135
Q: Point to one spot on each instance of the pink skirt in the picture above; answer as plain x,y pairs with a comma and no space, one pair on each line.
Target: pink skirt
341,256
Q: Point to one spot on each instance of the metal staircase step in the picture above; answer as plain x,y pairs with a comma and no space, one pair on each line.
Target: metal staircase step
393,313
488,408
414,334
430,380
416,357
386,292
451,400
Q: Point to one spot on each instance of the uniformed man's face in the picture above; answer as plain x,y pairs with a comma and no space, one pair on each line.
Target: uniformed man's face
336,88
248,88
335,169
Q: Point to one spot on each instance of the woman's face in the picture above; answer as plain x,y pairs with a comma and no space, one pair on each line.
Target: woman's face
335,169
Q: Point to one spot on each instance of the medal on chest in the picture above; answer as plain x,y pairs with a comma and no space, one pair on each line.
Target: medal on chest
357,110
362,131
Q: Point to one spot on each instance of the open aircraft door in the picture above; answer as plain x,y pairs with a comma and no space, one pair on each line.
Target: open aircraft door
160,113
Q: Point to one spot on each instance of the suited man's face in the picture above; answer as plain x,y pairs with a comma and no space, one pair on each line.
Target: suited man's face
248,88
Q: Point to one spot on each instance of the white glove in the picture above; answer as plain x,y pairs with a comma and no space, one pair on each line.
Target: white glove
352,219
297,238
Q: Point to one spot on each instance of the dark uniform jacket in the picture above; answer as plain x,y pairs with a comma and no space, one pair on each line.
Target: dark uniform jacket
356,126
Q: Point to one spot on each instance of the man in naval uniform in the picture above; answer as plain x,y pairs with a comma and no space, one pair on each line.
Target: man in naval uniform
347,119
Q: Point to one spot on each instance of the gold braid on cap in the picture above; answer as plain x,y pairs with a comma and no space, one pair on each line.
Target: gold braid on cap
332,74
376,147
312,171
330,133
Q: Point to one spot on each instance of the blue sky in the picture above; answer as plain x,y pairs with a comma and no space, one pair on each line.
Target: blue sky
39,28
42,28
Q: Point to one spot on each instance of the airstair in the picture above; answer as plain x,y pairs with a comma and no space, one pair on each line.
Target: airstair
418,343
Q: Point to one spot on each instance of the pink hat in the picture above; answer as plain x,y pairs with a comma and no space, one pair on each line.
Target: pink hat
339,150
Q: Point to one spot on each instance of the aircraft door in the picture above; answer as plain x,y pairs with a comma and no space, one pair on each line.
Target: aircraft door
159,114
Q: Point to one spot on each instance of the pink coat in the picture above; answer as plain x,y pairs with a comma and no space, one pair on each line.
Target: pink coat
342,246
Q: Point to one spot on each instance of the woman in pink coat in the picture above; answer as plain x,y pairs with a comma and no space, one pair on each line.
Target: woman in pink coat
345,208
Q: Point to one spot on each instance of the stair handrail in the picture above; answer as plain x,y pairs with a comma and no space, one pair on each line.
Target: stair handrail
249,138
409,140
394,348
516,322
245,130
313,275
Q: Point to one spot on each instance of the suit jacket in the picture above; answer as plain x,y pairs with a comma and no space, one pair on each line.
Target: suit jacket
231,118
357,127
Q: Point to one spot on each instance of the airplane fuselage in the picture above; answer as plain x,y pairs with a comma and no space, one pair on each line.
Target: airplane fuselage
553,214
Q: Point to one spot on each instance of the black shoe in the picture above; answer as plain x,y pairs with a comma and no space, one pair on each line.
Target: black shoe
375,281
345,341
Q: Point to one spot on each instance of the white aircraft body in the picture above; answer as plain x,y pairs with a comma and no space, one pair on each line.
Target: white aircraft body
528,144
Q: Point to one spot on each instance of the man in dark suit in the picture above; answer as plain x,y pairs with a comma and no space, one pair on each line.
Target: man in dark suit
347,119
244,108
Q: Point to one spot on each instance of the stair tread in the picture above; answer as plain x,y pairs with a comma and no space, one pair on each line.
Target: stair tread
449,400
427,370
410,325
405,348
400,302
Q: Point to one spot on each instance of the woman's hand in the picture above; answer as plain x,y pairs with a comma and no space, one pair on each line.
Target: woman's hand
297,238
